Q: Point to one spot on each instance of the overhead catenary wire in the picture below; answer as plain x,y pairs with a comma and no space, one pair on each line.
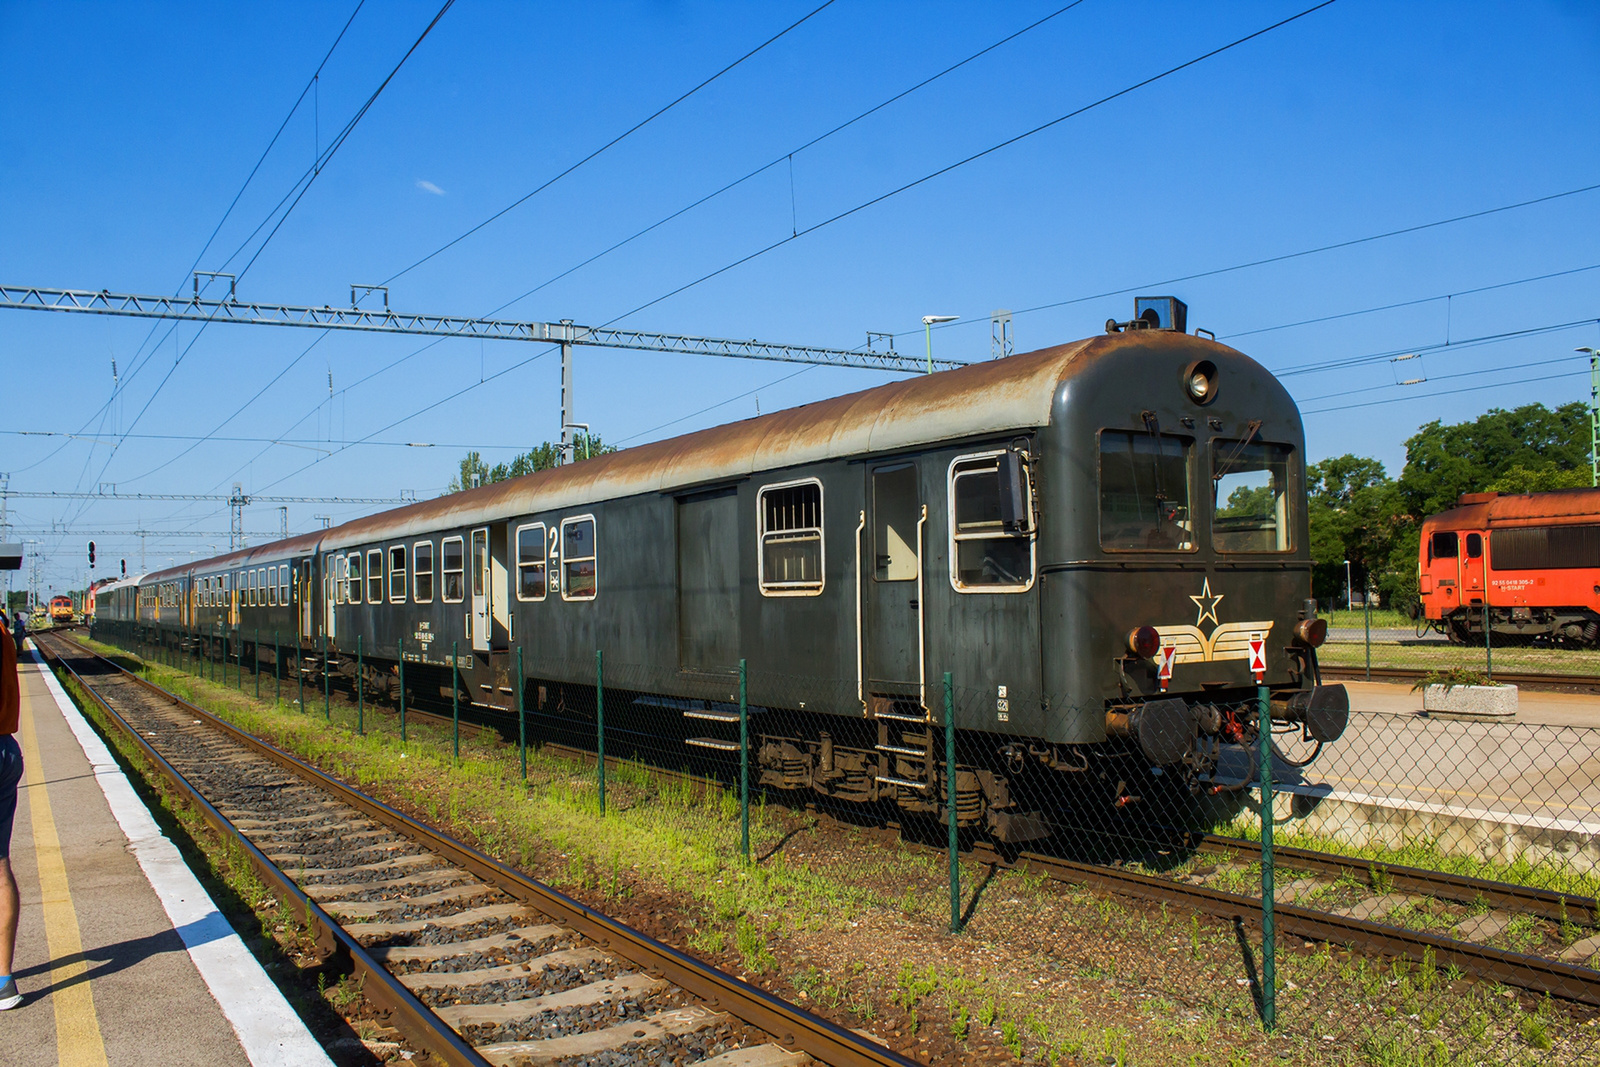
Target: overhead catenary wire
139,363
789,157
882,197
323,160
974,157
613,142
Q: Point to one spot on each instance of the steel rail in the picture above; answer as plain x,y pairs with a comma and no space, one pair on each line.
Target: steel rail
1464,889
790,1024
1585,682
408,1014
1534,973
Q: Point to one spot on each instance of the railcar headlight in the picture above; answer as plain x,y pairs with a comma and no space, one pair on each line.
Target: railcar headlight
1201,381
1311,632
1144,642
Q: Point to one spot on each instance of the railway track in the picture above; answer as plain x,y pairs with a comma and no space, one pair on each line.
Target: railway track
1364,894
470,961
1570,683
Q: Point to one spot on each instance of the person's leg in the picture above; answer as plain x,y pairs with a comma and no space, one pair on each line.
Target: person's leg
10,905
10,899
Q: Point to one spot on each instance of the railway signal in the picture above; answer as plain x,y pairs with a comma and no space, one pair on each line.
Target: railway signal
91,555
1258,658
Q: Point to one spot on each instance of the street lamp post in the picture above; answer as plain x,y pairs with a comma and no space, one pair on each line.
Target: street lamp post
927,332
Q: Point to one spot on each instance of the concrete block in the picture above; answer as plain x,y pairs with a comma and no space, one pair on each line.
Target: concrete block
1491,703
1483,928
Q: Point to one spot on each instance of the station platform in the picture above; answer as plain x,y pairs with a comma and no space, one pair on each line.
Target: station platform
122,957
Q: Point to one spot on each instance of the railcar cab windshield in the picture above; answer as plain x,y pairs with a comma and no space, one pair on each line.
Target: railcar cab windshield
1145,503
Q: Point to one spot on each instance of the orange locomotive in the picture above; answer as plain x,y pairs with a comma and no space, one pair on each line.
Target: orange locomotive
60,609
1531,561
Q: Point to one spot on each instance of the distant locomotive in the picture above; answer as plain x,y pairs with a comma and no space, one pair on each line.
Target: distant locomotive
1529,563
61,609
1106,536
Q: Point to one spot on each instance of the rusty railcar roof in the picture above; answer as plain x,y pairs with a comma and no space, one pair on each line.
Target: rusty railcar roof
996,396
1559,507
990,397
299,544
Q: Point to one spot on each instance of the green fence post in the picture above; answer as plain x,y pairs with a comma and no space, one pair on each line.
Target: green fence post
238,661
255,662
361,689
522,718
455,703
1366,614
327,712
400,658
744,762
277,671
1269,942
950,802
600,725
300,671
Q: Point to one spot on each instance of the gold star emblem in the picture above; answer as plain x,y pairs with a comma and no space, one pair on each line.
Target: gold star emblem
1207,603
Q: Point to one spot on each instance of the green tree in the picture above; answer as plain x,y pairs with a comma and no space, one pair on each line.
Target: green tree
1527,448
474,471
1356,514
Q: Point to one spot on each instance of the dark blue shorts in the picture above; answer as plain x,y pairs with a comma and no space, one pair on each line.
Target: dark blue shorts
10,775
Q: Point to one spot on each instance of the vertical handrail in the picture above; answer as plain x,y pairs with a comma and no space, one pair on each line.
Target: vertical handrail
600,724
522,718
327,710
922,626
744,762
1269,944
861,694
950,801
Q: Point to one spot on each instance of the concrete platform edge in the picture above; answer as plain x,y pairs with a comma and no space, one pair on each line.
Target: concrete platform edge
270,1031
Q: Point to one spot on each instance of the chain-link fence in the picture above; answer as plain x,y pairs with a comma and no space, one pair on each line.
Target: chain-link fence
1465,836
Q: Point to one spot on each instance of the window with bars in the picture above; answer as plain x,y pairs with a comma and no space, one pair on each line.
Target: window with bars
791,557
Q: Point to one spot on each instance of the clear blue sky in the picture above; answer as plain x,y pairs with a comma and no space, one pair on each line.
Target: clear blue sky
129,129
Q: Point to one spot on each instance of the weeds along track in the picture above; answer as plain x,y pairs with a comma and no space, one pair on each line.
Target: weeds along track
472,962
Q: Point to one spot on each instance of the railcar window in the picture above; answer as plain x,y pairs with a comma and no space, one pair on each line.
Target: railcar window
250,593
1443,545
1474,545
1144,492
397,574
791,539
352,592
422,572
333,585
532,558
480,561
452,565
1544,548
283,585
1249,496
272,586
579,559
375,576
988,557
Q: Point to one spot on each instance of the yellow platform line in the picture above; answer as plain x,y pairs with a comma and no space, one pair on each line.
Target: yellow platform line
78,1040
